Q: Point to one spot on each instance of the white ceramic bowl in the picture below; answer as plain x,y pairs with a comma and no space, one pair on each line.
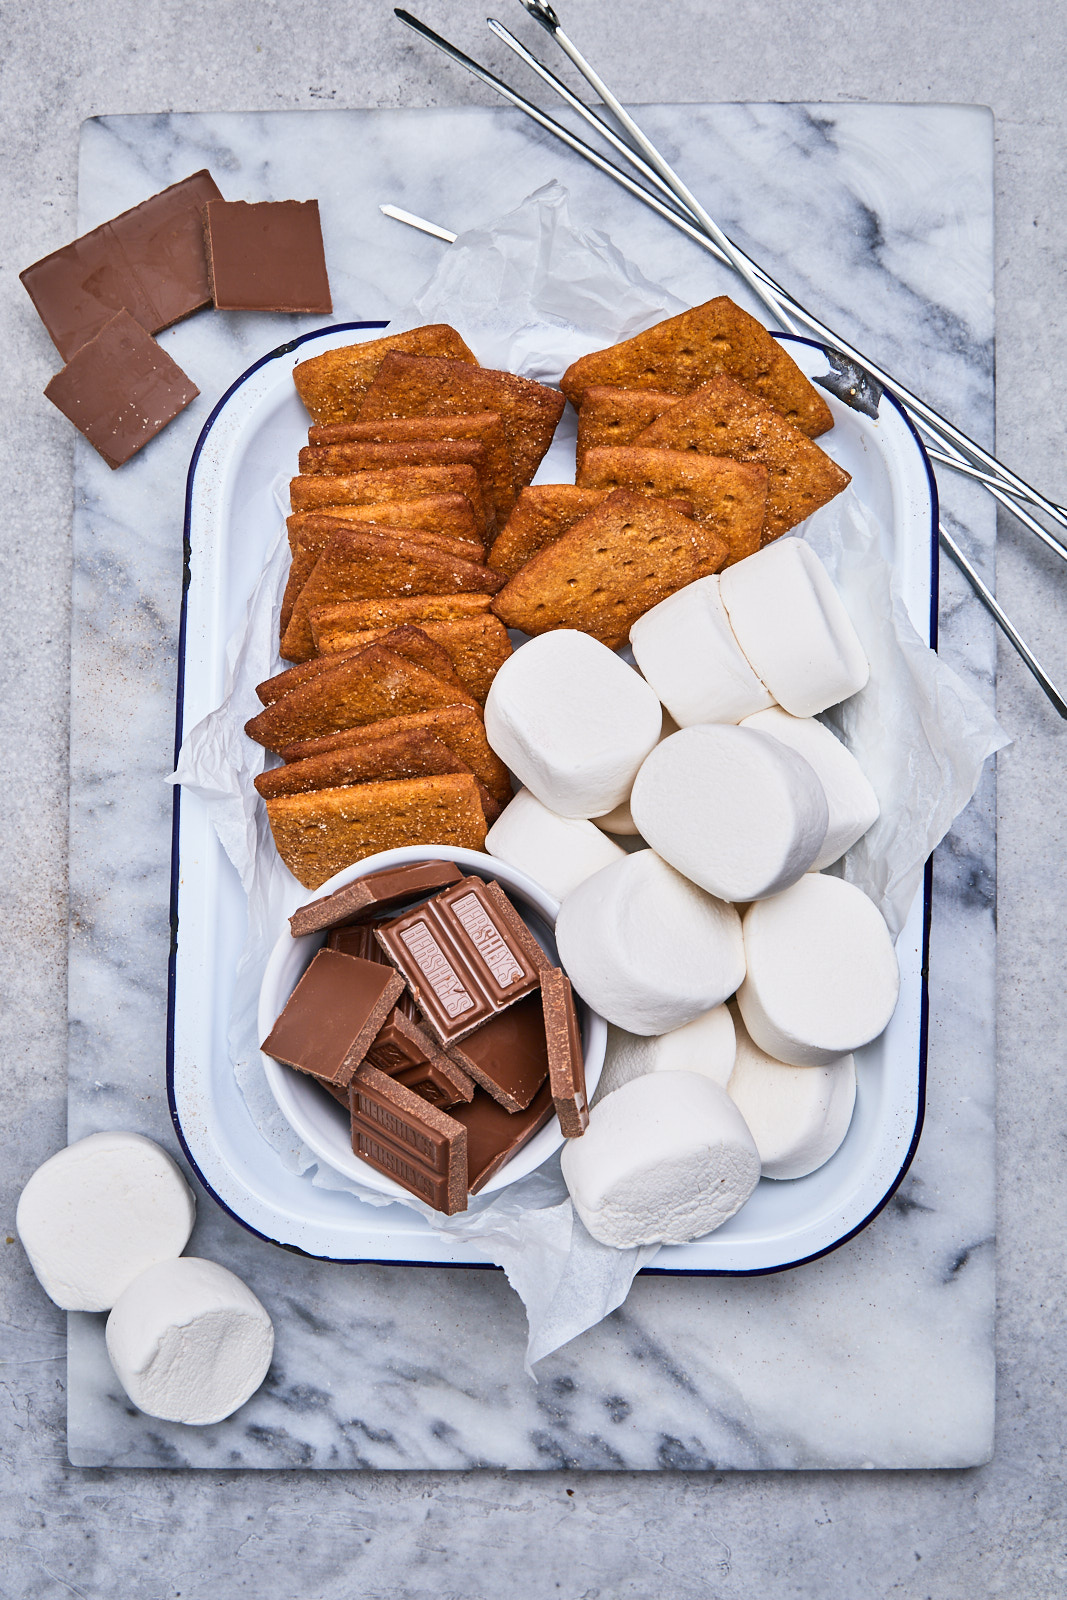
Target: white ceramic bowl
313,1114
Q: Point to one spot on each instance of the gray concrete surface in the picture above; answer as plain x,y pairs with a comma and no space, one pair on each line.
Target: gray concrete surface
994,1531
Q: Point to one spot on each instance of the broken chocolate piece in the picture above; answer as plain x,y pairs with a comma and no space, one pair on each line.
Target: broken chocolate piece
267,256
366,897
120,389
405,1052
566,1066
150,262
398,1133
508,1055
333,1016
495,1135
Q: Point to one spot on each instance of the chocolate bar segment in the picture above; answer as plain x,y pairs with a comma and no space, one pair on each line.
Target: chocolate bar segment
150,262
376,892
266,256
461,958
406,1053
508,1055
408,1139
566,1064
333,1016
495,1135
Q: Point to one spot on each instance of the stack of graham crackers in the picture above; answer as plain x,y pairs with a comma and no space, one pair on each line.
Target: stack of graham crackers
695,448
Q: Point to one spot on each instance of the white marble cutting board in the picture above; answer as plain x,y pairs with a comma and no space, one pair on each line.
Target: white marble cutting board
880,1355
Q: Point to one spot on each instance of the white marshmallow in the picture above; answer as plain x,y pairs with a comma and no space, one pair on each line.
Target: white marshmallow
822,973
620,821
792,625
705,1045
664,1159
557,852
98,1213
798,1116
646,948
687,650
189,1341
736,811
572,721
852,803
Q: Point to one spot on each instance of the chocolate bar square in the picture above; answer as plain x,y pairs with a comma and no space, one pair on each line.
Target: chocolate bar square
333,1016
566,1063
408,1139
405,1052
376,892
495,1135
508,1055
120,389
266,256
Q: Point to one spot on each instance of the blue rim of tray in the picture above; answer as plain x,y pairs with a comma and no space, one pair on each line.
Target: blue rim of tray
671,1272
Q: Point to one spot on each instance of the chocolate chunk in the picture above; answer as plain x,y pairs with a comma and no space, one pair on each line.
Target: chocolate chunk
566,1066
384,890
333,1016
508,1055
494,1135
408,1139
405,1052
266,257
462,958
150,262
121,389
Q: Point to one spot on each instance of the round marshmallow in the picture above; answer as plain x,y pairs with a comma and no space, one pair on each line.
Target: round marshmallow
664,1159
646,948
98,1213
705,1045
736,811
798,1116
557,852
792,625
687,650
822,974
572,721
189,1341
851,802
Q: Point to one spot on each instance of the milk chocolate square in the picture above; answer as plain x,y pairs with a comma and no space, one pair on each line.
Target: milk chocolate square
121,389
404,1051
384,890
495,1135
408,1139
508,1055
267,256
150,262
333,1016
566,1063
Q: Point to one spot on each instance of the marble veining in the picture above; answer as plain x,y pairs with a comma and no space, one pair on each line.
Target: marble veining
879,1355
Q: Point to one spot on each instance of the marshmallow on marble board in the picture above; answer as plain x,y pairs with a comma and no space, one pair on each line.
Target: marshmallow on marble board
798,1116
572,721
852,803
822,976
689,653
665,1159
737,812
647,948
96,1214
189,1341
705,1045
557,852
792,625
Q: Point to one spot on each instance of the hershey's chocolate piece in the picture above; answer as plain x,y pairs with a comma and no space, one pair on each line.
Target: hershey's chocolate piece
406,1053
408,1139
508,1055
517,927
120,389
494,1135
461,958
369,896
566,1064
267,256
333,1016
358,939
149,261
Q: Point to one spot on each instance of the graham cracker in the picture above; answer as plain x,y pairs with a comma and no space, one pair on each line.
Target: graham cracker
483,427
410,386
474,647
728,497
459,726
320,832
362,566
617,416
450,515
406,640
367,687
341,460
610,568
314,491
681,353
723,418
332,384
360,616
544,512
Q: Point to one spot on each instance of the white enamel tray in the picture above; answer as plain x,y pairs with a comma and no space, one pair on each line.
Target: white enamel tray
256,428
